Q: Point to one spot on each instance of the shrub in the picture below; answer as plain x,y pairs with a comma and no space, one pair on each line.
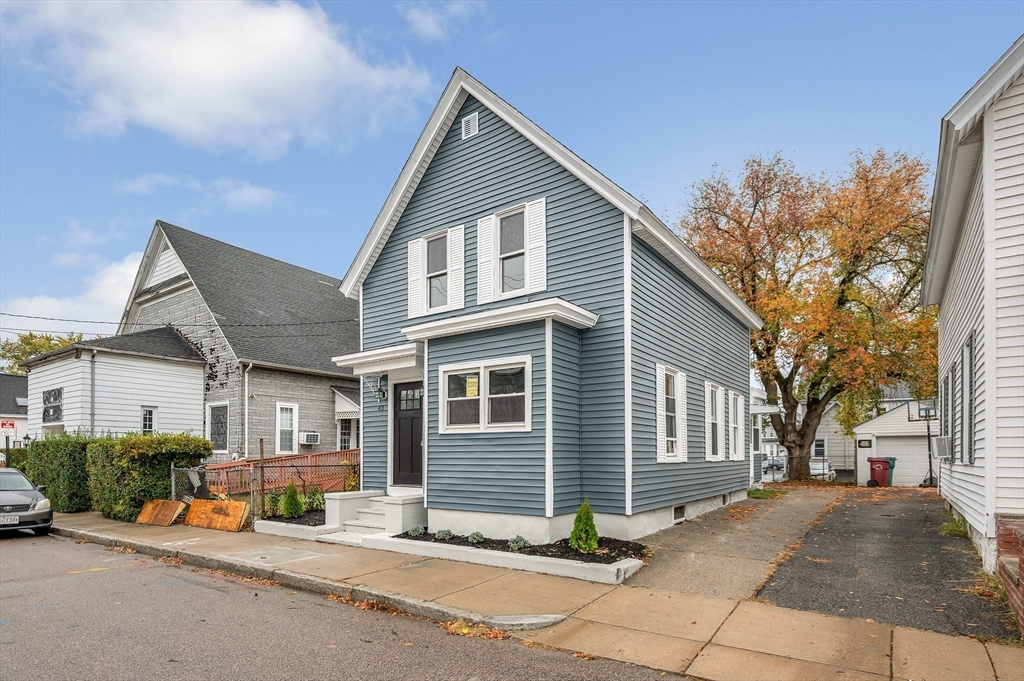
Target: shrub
59,462
584,532
443,534
291,507
475,538
124,473
518,543
18,459
314,499
272,507
416,531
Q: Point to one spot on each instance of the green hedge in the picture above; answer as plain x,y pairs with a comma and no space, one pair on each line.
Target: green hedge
59,462
126,472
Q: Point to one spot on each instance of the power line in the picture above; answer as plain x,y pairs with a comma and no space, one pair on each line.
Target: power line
92,333
195,324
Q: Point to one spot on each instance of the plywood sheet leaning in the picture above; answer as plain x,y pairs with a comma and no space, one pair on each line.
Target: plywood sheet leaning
217,515
160,512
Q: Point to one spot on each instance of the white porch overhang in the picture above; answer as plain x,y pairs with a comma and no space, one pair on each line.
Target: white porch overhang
556,309
345,408
383,360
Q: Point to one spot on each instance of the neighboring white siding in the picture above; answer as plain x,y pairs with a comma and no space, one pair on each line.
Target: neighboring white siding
125,384
68,373
1007,148
167,266
960,312
839,449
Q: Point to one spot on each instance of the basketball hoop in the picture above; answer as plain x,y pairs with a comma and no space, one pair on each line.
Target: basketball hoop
924,410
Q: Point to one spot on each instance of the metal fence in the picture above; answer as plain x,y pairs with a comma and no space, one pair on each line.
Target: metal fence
262,485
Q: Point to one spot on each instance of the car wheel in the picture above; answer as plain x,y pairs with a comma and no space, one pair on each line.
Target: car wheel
41,531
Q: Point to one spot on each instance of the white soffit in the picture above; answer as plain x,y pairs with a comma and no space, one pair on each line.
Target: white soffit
555,309
382,359
459,87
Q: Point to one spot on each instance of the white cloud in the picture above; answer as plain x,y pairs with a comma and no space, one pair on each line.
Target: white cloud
234,194
248,75
77,245
435,21
244,196
102,298
145,184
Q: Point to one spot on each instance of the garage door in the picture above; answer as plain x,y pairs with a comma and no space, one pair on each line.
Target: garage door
911,458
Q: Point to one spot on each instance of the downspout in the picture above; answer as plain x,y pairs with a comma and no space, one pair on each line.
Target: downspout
245,420
92,394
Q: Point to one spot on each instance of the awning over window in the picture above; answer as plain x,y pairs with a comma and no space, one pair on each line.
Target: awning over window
344,407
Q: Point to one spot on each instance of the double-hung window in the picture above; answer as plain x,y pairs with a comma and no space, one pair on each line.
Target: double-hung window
493,395
287,421
755,434
714,422
820,448
512,252
736,440
671,414
217,427
436,272
148,420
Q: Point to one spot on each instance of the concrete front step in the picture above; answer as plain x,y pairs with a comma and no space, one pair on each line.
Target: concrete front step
343,538
371,515
364,526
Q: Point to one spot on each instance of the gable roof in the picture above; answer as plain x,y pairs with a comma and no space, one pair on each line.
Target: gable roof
893,422
644,222
12,387
160,343
960,144
271,313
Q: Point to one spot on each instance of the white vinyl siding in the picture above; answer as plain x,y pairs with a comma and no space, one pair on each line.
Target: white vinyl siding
1007,236
287,428
737,439
167,267
492,255
671,414
714,422
436,284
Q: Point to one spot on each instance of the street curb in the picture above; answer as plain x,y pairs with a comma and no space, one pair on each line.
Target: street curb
319,585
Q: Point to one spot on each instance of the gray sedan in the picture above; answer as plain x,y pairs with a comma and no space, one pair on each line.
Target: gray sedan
23,505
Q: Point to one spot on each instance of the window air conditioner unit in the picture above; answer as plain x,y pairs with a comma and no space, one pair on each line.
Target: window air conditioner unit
309,438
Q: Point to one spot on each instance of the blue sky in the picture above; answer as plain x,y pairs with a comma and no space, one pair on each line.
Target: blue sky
282,127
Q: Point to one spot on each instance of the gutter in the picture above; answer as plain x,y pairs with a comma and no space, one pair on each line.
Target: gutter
92,394
294,370
245,422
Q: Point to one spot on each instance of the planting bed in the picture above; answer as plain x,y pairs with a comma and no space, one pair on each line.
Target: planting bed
609,550
309,519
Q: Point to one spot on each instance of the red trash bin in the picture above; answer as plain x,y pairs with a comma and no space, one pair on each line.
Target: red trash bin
879,472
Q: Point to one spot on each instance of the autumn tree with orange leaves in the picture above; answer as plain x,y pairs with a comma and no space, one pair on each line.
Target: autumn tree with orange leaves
833,266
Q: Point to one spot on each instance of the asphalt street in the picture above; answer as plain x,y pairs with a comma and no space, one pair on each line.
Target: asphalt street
79,611
879,555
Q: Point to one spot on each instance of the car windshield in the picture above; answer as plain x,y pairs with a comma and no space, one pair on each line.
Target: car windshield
14,482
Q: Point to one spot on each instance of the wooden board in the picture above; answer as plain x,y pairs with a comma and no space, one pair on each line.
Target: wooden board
217,515
160,512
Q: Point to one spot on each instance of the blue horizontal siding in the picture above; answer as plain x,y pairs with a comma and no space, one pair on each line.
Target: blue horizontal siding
565,398
677,324
498,472
375,441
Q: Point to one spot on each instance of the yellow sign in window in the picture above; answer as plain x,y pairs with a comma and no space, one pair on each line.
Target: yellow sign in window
472,386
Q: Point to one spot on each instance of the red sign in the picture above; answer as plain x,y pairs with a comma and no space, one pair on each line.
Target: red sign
7,428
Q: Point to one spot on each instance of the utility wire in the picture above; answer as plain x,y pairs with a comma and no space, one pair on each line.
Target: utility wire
93,333
195,324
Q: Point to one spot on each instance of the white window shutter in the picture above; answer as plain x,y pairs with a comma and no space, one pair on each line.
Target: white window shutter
681,417
485,260
659,392
457,268
721,424
707,422
415,274
742,429
536,246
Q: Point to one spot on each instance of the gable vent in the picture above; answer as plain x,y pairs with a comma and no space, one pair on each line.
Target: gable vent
470,125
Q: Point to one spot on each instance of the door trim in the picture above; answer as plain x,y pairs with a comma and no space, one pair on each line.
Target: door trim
393,405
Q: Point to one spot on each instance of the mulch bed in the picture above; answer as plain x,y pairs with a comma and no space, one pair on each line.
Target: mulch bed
309,519
609,550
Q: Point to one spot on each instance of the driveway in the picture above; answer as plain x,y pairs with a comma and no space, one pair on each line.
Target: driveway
728,552
879,555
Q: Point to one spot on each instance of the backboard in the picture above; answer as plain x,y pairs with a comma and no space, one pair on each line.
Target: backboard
922,410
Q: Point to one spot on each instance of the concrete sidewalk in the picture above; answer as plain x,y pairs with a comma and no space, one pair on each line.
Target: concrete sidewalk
705,637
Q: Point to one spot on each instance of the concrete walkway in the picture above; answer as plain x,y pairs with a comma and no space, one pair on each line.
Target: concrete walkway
705,637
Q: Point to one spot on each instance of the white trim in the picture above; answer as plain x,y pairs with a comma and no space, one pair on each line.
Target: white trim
381,360
719,424
737,439
209,406
142,416
470,125
295,428
362,431
426,416
990,323
459,87
627,351
553,308
549,425
349,410
483,366
661,371
360,321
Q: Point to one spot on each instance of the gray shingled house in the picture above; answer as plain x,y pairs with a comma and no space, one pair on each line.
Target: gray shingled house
14,405
267,329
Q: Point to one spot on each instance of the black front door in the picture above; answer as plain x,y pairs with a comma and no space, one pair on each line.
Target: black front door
407,466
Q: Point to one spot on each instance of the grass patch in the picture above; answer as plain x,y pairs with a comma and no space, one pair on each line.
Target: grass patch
765,493
954,527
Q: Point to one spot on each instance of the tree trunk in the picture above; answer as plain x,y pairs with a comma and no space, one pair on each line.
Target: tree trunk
799,462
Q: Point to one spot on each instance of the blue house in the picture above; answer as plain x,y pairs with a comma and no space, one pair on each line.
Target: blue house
532,335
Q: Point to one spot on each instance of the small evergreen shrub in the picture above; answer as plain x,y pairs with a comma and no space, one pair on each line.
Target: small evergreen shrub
584,532
272,507
518,543
291,507
314,499
443,534
475,538
416,531
59,462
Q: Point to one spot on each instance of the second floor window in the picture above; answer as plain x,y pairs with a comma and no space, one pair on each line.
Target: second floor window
512,251
437,272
